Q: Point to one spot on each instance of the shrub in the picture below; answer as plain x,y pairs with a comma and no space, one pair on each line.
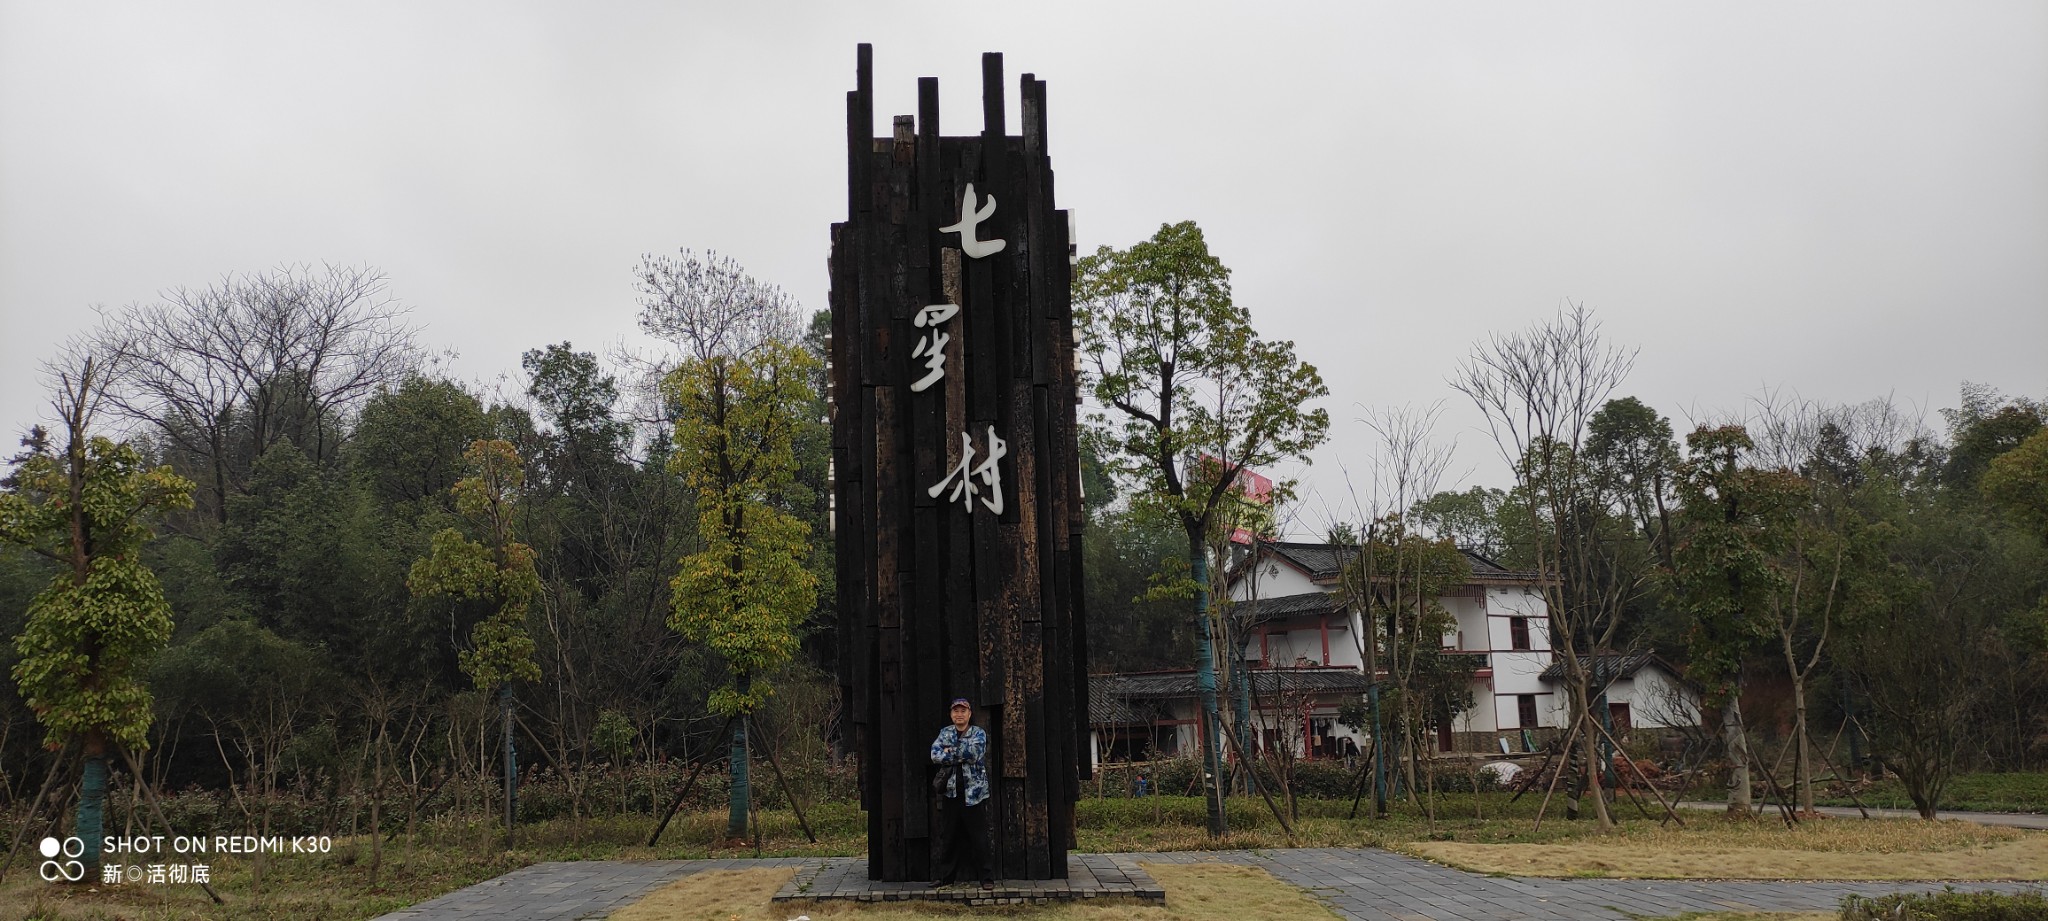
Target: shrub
1948,905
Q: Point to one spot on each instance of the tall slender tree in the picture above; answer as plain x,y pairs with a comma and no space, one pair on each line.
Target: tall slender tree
744,594
89,633
1735,526
742,395
492,573
1187,396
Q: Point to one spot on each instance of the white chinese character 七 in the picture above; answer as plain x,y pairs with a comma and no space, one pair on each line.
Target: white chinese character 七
962,477
932,346
970,217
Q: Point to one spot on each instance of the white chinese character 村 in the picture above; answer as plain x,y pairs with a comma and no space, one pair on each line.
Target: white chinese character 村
962,477
970,216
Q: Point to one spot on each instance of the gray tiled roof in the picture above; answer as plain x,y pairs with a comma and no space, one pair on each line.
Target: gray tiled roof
1612,666
1105,710
1262,610
1324,560
1113,698
1320,561
1308,680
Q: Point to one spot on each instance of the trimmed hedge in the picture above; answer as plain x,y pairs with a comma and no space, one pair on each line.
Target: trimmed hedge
1331,780
1948,905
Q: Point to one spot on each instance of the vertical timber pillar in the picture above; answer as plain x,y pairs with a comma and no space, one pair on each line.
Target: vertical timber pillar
956,485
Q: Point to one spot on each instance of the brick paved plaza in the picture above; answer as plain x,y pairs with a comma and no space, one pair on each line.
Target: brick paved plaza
1358,883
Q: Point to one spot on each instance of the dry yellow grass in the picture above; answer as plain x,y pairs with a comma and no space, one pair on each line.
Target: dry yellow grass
1194,892
1714,849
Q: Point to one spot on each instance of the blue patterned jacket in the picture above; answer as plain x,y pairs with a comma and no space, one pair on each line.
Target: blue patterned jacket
969,750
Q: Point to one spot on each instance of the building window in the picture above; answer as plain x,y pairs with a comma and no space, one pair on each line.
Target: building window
1525,705
1518,633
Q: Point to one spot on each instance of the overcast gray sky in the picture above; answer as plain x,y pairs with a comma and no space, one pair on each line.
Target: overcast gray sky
1844,200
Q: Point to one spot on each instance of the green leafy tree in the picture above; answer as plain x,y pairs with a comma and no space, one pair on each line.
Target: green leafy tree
1735,524
494,574
1923,664
613,736
1130,630
2016,483
744,594
1633,457
1177,374
259,693
409,441
744,398
1834,569
1986,424
1469,519
88,634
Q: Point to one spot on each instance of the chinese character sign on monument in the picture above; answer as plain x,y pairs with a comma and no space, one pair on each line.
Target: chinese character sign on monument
956,494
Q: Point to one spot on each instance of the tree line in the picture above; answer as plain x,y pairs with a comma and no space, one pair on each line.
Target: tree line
1853,578
271,548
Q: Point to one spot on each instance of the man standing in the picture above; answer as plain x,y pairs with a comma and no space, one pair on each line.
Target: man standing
961,751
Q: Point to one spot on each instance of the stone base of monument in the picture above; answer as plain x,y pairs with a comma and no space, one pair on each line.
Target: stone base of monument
1092,877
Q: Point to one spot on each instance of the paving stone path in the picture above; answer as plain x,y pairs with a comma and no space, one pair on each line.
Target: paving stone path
1358,883
570,890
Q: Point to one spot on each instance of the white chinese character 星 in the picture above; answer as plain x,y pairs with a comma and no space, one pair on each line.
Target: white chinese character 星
932,348
970,216
991,476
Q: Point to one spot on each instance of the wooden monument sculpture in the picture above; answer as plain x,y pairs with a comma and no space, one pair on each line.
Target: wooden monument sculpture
957,501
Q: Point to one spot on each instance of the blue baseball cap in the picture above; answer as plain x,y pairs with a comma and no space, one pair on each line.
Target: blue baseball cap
962,702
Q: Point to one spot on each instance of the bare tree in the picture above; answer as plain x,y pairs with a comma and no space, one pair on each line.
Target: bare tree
708,306
1393,581
223,372
1539,390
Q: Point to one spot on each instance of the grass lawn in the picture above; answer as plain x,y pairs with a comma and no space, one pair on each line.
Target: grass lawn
1482,833
1504,839
450,854
1716,847
2015,792
1211,892
1194,892
1971,792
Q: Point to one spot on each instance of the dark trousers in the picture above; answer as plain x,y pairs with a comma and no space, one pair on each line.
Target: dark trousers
962,833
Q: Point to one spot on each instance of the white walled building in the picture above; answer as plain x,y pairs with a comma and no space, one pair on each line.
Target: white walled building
1285,598
1304,646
